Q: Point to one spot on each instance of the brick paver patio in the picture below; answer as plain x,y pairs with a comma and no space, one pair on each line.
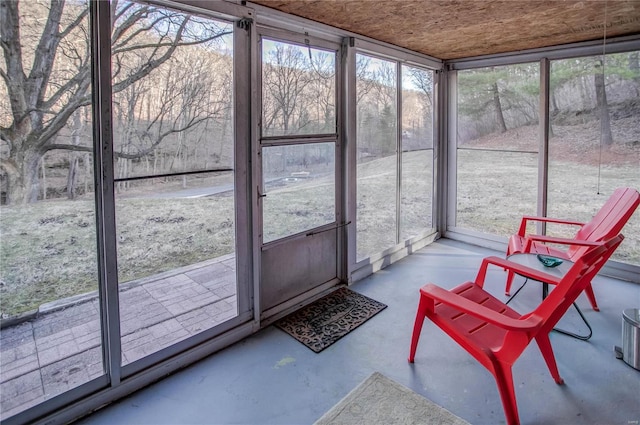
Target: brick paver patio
59,350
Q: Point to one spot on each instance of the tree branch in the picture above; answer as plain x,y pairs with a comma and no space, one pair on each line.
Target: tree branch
160,45
65,147
76,22
129,22
82,76
61,118
12,49
152,64
9,165
4,76
142,29
44,55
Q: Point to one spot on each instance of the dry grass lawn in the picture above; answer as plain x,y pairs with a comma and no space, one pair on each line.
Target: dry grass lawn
47,251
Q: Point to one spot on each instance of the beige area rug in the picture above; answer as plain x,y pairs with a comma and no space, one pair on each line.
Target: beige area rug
379,400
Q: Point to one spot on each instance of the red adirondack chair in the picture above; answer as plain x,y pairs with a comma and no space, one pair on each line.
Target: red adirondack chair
495,334
607,223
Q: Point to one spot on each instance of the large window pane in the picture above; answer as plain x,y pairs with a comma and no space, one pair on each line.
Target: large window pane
497,177
298,89
417,151
176,261
594,146
50,340
172,107
179,117
376,115
300,188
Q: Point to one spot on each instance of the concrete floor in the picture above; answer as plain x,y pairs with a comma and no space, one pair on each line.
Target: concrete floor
270,378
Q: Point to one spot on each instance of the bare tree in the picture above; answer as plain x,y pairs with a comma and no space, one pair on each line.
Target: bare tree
385,91
54,40
376,105
286,74
497,106
602,105
74,157
423,80
322,91
364,77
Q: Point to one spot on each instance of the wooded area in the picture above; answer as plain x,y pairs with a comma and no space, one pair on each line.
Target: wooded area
162,85
493,100
172,97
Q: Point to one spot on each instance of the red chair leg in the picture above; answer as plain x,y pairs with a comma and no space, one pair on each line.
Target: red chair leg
417,328
592,298
504,379
547,353
507,289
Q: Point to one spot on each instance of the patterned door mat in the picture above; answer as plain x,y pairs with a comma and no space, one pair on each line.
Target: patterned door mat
328,319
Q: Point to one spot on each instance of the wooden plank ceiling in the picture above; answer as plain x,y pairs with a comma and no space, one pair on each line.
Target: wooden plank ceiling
451,29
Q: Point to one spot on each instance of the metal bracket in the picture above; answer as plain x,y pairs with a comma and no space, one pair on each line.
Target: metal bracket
618,351
245,23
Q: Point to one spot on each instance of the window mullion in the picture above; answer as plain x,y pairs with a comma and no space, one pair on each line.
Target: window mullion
104,176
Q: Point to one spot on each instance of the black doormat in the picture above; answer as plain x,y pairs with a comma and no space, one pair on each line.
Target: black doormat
328,319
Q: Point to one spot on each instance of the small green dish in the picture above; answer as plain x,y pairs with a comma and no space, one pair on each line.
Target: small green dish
549,261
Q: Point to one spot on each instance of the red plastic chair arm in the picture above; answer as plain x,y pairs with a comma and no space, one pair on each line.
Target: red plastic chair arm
553,239
464,305
516,268
526,218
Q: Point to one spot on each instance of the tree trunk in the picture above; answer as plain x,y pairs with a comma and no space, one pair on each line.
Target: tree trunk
44,178
24,183
602,106
223,138
554,103
498,108
587,102
155,161
72,175
87,172
634,66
